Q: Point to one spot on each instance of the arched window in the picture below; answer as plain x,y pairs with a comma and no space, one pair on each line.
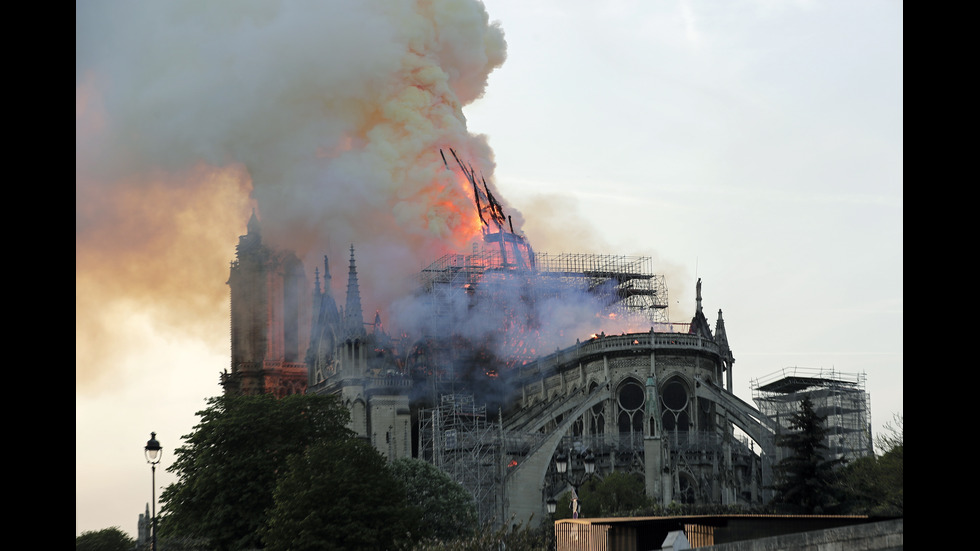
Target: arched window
630,398
676,405
688,490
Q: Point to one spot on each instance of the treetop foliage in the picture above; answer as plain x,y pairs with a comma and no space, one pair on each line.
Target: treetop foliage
805,479
228,467
107,539
262,473
893,435
875,485
446,510
338,494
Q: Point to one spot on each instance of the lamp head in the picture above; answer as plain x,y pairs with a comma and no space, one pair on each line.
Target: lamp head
561,463
589,462
152,449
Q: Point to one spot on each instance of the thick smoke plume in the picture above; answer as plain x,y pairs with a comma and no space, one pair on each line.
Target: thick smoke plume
327,117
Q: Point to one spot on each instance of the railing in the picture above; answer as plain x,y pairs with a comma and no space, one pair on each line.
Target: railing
613,344
392,381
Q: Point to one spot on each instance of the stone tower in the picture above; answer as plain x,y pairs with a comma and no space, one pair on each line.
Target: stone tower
268,313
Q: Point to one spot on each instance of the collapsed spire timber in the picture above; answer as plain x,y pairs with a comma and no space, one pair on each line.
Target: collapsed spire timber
521,256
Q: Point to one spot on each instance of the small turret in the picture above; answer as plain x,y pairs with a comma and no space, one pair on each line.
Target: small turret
353,315
721,337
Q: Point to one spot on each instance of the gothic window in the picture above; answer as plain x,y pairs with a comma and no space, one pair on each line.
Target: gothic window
630,398
676,402
688,488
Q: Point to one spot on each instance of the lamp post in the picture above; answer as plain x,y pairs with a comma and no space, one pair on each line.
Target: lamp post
152,451
563,466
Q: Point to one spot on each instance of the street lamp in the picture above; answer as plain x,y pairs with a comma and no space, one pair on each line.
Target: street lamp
552,504
152,451
563,466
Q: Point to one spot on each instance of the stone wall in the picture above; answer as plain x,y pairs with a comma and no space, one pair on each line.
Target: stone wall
875,536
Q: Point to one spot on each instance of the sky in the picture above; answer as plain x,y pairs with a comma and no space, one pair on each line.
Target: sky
756,145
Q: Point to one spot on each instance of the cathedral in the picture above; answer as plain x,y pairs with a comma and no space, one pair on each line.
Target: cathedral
656,402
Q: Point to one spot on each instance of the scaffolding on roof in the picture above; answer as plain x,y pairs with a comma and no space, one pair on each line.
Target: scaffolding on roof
628,281
622,281
840,397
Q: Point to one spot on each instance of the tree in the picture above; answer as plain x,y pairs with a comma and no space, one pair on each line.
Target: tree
107,539
805,478
445,509
228,468
894,435
875,485
338,494
615,494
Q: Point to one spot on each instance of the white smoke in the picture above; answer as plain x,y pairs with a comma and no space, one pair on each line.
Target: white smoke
326,116
337,110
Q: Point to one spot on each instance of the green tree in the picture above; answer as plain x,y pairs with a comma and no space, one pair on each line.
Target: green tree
338,495
445,509
107,539
227,469
616,494
894,435
875,485
805,478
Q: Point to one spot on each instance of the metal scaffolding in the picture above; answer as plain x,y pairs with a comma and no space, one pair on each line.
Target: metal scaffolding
627,281
840,397
620,282
457,438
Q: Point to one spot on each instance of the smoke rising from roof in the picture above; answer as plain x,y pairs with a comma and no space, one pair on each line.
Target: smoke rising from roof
327,117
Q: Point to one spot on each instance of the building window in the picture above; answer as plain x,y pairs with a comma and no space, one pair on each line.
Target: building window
630,398
674,396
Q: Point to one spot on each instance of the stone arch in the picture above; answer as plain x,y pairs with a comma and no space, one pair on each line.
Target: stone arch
358,415
687,487
523,483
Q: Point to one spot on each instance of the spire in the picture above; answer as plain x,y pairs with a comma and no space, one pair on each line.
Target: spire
352,312
253,225
326,278
699,324
720,336
252,240
699,295
327,329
